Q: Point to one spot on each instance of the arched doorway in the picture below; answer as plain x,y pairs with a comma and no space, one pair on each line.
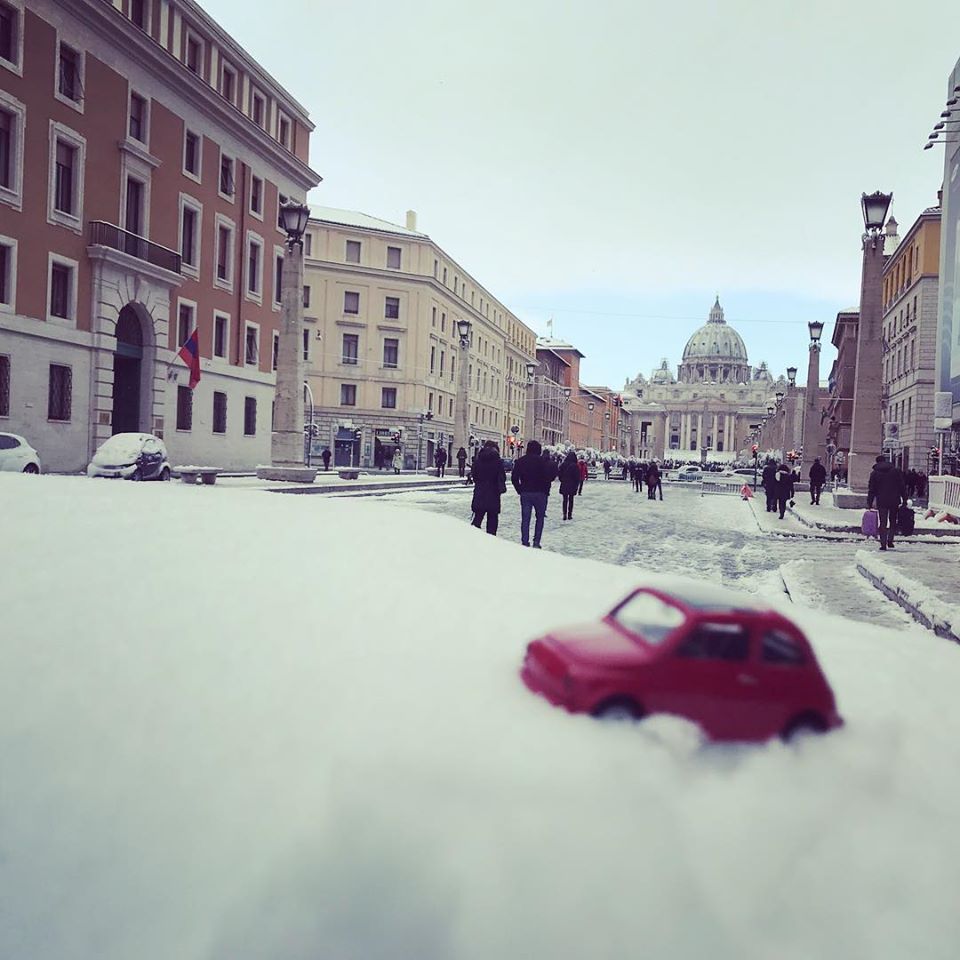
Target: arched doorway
126,372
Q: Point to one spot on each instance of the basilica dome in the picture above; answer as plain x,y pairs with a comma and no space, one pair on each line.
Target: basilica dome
715,353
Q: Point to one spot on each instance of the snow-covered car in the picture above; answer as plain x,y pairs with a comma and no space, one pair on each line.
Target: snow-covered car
740,670
689,473
17,455
132,456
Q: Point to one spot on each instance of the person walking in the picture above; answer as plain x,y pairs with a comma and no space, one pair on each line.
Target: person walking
886,486
325,457
462,461
818,477
768,480
531,478
606,469
489,481
582,467
397,460
653,481
639,476
783,487
569,475
441,461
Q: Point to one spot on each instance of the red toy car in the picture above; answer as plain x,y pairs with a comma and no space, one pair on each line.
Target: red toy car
739,670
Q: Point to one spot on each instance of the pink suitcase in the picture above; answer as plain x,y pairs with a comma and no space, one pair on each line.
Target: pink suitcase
870,525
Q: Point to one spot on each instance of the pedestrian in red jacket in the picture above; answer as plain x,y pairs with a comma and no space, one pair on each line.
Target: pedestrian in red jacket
582,465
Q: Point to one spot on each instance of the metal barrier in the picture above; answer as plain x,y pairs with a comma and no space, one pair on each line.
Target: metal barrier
732,485
943,494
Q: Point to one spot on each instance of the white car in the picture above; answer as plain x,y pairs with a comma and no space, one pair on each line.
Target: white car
689,473
17,455
132,456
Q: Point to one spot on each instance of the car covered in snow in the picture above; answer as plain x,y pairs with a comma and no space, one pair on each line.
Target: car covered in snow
740,670
17,455
132,456
689,473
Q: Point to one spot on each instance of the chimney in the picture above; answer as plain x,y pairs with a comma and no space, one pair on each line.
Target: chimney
412,220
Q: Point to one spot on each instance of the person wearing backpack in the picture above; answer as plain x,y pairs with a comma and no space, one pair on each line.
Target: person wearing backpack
888,488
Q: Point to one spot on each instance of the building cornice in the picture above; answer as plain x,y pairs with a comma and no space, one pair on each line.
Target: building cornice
106,21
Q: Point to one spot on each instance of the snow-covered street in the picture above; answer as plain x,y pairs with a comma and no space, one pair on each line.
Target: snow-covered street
241,725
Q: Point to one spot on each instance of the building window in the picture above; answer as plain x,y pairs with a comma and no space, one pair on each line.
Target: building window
137,126
283,131
224,253
228,82
353,251
219,412
433,317
388,398
8,274
134,208
227,182
256,196
436,269
308,245
306,298
351,347
10,34
391,308
251,346
391,352
249,416
281,200
11,140
184,408
393,258
254,268
193,54
348,394
69,74
442,357
430,401
63,289
65,178
192,155
278,278
258,108
59,395
306,345
138,13
186,321
276,351
4,385
190,235
221,328
351,302
433,358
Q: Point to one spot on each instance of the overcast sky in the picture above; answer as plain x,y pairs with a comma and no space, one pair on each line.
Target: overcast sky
616,164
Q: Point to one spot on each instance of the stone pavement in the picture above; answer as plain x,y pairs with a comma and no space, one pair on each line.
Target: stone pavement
329,482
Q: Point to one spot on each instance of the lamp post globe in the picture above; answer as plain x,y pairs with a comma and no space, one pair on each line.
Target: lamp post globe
875,207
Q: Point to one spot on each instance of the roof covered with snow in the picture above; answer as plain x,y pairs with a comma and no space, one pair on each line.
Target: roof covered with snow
353,218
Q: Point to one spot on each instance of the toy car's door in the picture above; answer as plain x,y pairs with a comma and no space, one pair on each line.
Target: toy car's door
788,681
150,458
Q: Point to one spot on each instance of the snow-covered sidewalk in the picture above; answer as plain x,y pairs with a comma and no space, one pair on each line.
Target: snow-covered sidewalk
826,516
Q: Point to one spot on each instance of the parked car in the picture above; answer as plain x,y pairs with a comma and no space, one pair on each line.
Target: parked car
739,670
689,473
507,464
17,455
132,456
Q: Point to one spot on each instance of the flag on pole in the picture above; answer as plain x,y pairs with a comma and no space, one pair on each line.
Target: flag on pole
189,353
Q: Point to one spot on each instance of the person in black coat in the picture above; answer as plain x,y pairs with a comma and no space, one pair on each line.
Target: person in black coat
489,481
818,477
569,475
462,461
888,489
768,480
783,487
652,478
531,478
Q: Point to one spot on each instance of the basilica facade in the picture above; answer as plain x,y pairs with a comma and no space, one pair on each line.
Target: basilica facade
706,409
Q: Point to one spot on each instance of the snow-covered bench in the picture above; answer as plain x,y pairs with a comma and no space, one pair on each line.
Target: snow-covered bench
207,475
348,474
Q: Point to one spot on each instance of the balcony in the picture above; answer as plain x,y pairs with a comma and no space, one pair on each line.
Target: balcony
107,235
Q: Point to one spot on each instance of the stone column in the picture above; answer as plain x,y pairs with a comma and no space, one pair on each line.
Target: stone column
866,431
461,427
716,422
813,432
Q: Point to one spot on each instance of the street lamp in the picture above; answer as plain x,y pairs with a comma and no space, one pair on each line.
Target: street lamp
286,442
462,425
792,376
816,330
874,209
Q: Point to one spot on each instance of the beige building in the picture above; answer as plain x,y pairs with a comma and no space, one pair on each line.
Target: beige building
381,309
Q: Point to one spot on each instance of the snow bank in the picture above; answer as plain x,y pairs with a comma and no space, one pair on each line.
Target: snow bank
240,725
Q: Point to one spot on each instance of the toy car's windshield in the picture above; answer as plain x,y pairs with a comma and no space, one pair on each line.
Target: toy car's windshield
649,617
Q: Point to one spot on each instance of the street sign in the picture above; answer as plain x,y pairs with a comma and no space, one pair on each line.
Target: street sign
515,429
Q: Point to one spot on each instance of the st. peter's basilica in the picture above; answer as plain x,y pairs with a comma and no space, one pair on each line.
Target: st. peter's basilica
711,402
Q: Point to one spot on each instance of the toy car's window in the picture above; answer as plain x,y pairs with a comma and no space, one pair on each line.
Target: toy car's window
151,446
649,617
780,647
716,641
8,442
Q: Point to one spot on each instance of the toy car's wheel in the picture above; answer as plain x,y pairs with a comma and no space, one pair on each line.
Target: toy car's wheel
165,474
803,726
31,468
136,475
618,710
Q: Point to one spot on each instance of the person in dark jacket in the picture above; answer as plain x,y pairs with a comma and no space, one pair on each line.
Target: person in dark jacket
462,461
531,477
888,489
325,456
653,481
768,480
441,462
489,481
569,475
818,477
783,487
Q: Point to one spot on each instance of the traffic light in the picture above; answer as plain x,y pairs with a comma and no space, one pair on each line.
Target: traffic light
755,449
357,433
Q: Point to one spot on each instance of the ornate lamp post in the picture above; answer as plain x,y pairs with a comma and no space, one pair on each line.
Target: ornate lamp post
813,445
590,407
790,410
606,429
866,429
286,445
462,425
531,386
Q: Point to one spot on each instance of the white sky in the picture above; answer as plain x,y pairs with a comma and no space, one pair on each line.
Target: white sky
613,164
